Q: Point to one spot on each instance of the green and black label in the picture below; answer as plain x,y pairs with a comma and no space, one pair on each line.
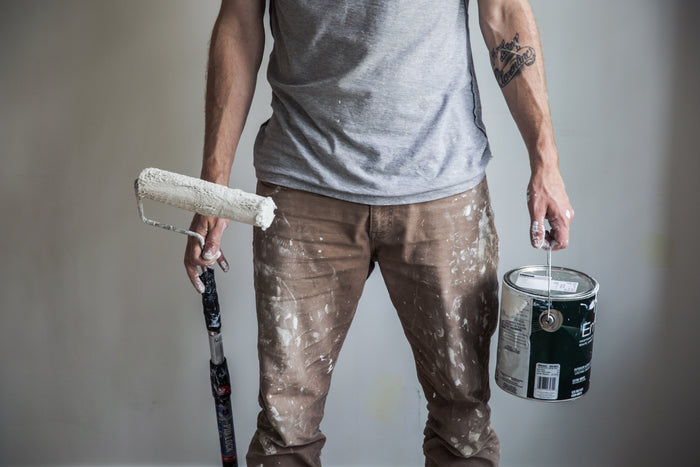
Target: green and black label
560,361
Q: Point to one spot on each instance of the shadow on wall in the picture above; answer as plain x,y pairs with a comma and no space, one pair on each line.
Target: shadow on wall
667,426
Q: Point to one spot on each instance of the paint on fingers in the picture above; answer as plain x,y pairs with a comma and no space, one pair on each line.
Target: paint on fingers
211,254
537,233
198,284
224,264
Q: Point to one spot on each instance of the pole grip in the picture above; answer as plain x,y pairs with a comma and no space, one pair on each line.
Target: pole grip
210,301
221,390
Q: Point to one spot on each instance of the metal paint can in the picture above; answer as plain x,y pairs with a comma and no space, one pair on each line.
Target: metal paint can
545,355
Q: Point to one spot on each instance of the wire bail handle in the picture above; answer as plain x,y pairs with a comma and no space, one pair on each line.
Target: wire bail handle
155,223
551,319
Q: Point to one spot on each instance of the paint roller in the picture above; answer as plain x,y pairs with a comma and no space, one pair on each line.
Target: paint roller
208,199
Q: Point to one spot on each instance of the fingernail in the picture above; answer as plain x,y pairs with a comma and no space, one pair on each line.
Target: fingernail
224,265
208,255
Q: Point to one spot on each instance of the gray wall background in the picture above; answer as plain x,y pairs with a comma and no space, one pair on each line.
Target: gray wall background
103,354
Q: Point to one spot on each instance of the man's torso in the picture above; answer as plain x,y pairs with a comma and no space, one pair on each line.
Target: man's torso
374,101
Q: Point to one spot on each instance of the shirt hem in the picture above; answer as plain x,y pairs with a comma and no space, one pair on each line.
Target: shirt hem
370,199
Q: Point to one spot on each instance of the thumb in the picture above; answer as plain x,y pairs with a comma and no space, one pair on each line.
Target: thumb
537,225
537,232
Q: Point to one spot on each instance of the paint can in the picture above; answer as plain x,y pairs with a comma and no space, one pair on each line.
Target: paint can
545,351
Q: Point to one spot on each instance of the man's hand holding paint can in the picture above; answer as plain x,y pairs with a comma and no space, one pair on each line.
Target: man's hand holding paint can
547,200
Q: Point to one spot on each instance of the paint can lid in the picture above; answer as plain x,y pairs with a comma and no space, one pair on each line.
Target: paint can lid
566,284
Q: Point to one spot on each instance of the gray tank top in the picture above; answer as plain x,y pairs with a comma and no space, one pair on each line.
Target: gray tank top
374,101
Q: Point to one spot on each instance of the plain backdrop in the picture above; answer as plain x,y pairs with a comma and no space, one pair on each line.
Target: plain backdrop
103,352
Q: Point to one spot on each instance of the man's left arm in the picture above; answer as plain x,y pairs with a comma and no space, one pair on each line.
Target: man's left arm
511,35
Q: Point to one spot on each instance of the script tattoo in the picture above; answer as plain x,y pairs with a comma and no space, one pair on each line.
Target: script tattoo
509,58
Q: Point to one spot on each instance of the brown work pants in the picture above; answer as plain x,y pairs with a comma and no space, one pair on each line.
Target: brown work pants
438,260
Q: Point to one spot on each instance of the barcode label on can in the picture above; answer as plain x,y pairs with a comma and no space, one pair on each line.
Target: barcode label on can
531,281
546,381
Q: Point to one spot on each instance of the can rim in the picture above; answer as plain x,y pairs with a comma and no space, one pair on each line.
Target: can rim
573,296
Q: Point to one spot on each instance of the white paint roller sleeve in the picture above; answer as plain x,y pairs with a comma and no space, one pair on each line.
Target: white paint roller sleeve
206,198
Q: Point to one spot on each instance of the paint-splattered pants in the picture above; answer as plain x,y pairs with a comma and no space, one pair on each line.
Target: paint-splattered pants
438,260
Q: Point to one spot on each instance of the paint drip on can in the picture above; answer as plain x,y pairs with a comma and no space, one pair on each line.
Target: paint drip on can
545,338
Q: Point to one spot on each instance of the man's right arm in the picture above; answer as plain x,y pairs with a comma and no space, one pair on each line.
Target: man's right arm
235,54
511,35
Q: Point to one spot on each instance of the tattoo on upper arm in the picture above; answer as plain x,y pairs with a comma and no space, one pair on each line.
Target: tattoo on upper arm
509,58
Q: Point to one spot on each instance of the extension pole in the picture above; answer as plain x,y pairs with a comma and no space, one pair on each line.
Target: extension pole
218,370
214,200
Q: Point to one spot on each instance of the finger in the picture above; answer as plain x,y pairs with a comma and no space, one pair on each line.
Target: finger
537,232
559,235
193,250
560,239
222,262
210,262
193,274
537,210
211,247
192,255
